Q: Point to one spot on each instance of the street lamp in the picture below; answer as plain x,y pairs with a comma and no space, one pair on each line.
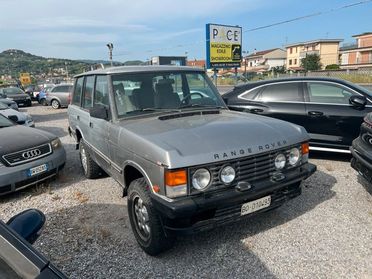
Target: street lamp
110,47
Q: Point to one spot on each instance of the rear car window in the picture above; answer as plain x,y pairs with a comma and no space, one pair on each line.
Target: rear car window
88,92
77,92
280,92
101,95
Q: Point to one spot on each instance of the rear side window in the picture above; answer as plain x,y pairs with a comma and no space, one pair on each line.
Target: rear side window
78,90
101,95
88,92
250,94
280,93
62,88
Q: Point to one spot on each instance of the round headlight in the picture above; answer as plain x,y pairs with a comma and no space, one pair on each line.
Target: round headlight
201,179
294,156
227,174
280,161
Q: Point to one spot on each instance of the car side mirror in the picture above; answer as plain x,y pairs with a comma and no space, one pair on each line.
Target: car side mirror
99,111
28,224
14,118
358,101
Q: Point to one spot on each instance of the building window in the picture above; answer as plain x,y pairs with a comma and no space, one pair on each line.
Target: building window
250,64
290,50
295,62
290,61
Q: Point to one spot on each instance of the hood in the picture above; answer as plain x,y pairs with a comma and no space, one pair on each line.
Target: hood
6,101
16,138
191,139
7,112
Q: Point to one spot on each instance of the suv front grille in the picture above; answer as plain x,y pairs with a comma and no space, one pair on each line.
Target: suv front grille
247,169
27,155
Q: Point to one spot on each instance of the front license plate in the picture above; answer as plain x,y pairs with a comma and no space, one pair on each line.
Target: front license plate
253,206
37,170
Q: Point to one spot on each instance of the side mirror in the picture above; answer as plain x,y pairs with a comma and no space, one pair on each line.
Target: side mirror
358,101
28,224
99,111
14,118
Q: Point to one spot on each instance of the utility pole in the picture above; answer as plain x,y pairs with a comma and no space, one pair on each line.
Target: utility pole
110,47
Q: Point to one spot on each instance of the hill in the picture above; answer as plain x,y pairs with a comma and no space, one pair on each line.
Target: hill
14,61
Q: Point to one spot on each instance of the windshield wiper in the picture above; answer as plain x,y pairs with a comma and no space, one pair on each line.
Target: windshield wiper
152,110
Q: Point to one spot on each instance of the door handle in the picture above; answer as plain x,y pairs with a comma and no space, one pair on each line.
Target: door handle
77,117
90,124
315,113
256,110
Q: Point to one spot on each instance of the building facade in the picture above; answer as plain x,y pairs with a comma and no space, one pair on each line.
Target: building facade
327,49
263,61
357,55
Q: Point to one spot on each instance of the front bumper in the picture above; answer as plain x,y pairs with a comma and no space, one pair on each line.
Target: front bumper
362,158
16,178
210,210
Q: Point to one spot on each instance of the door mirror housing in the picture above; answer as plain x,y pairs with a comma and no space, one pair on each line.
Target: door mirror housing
358,101
28,224
99,111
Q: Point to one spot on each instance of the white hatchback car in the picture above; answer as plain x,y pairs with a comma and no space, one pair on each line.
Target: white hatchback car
20,117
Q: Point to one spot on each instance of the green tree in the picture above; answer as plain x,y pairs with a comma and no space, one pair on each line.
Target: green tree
311,62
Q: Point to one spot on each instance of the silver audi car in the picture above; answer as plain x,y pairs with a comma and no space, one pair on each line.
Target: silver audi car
27,162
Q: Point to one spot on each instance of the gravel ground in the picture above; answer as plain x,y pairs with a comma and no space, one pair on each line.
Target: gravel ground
324,233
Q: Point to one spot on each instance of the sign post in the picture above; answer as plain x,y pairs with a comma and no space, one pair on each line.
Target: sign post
224,46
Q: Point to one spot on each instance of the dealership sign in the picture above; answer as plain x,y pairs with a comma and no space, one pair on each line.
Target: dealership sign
224,46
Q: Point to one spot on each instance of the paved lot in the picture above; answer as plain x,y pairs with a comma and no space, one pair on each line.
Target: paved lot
324,233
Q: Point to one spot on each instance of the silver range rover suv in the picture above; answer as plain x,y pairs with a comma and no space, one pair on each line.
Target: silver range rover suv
186,163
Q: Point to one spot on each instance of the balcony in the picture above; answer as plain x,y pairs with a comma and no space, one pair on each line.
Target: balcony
304,53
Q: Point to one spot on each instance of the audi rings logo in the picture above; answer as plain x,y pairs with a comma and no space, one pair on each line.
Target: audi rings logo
31,153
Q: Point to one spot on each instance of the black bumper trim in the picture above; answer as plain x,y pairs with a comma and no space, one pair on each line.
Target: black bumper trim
188,208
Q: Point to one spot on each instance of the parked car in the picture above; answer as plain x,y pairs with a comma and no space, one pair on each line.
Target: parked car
41,94
11,104
18,259
59,95
20,118
331,110
361,149
28,156
17,95
186,164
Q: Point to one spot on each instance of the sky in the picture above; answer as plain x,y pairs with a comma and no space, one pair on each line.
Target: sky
80,29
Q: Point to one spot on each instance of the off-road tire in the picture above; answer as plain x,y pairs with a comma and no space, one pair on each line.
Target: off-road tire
157,241
91,169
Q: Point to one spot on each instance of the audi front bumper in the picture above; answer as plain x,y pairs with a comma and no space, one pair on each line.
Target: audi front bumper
18,177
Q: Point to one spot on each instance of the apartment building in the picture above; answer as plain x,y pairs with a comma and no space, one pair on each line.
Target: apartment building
358,55
265,60
327,49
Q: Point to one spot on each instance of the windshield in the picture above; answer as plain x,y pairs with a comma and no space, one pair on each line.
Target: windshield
12,90
5,122
142,93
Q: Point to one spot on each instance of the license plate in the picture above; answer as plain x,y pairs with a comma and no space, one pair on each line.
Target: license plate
253,206
37,170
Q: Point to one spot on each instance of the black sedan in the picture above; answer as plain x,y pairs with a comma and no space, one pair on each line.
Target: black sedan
17,95
362,150
331,110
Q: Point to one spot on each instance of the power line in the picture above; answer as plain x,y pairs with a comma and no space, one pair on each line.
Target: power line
258,28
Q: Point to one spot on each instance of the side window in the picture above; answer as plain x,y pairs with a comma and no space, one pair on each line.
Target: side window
88,92
101,95
283,92
328,93
78,90
250,94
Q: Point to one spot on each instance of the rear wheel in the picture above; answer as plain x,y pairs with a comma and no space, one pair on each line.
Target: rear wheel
145,220
55,104
43,102
90,168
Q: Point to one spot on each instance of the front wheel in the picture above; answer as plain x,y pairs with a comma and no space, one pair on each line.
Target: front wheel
55,104
145,220
43,102
90,168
